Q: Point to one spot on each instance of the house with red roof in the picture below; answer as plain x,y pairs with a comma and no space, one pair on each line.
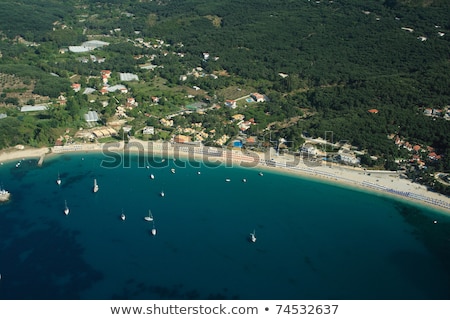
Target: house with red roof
76,87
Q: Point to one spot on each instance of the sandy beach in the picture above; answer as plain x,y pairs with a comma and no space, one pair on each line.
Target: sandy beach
21,154
383,182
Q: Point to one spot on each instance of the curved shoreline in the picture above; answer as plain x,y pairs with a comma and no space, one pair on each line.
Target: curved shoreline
387,183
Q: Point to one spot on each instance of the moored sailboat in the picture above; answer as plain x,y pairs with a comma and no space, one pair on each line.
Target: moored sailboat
153,229
149,217
66,208
95,189
253,236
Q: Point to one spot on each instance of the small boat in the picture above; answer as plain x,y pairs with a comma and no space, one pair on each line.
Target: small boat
66,208
227,180
122,216
172,170
152,176
153,229
148,167
58,181
198,172
253,236
95,189
261,174
244,180
4,195
162,194
150,216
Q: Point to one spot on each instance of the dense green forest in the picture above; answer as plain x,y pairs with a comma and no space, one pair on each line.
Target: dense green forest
341,59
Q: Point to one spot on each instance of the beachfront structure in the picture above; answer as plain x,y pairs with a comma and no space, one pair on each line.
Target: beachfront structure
309,150
181,139
348,159
104,132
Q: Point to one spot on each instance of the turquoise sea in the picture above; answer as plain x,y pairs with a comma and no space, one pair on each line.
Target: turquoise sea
315,240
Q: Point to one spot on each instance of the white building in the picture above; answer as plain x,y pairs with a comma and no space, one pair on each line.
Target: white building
349,159
148,130
91,116
128,77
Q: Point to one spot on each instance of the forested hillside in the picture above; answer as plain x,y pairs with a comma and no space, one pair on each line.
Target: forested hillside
338,59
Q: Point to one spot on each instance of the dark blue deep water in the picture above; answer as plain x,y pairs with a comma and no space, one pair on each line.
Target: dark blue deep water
314,240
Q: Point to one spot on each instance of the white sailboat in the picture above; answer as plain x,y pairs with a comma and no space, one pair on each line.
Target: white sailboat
58,180
95,189
122,216
154,229
253,236
152,176
162,194
150,216
66,208
172,170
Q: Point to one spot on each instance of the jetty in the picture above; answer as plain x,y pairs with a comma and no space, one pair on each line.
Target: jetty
41,159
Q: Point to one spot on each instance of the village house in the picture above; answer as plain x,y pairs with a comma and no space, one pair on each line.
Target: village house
230,104
166,122
62,101
238,117
106,73
148,130
258,97
76,87
131,103
155,100
245,125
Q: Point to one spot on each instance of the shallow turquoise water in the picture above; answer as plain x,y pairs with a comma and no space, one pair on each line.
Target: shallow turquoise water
314,240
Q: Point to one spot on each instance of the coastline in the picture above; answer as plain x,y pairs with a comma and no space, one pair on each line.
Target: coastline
385,183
